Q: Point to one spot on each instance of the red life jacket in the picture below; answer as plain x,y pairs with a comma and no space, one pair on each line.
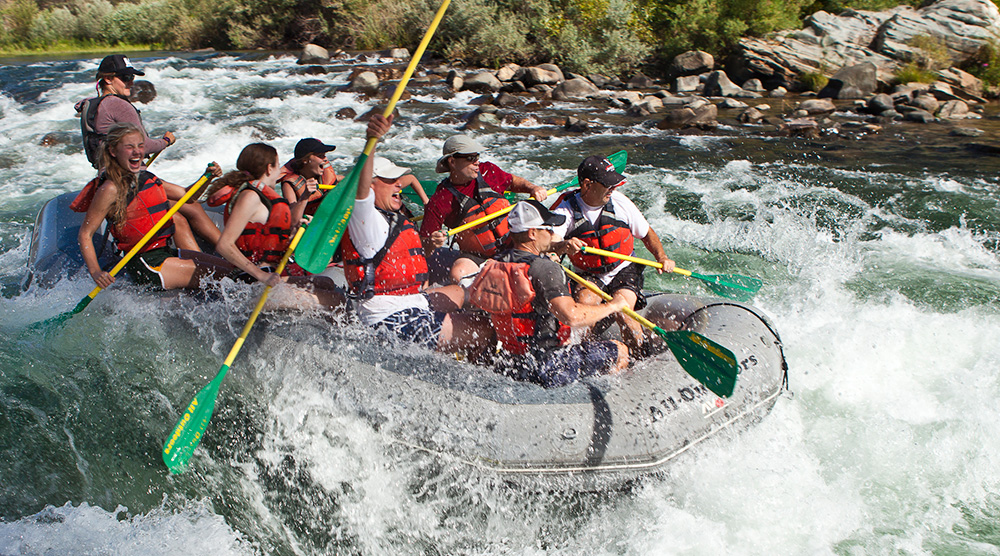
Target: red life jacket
264,242
147,205
398,268
504,290
298,184
608,233
83,199
486,239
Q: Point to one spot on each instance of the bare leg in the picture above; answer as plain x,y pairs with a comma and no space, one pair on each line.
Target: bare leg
201,223
467,333
187,273
622,361
446,299
183,236
326,291
632,332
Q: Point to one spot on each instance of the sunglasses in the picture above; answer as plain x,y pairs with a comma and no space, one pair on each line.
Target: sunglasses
126,78
474,157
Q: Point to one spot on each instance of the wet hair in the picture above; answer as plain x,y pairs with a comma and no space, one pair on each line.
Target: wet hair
250,165
115,171
296,164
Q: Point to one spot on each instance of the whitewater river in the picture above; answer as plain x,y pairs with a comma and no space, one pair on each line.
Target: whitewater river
879,257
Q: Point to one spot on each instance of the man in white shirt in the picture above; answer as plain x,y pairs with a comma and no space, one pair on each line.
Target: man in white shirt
600,216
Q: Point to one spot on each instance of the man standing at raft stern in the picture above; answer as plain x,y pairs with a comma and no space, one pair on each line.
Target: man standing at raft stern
598,215
386,271
472,189
115,77
532,310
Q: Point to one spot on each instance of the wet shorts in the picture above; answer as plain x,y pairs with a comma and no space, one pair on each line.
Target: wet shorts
629,278
441,260
568,364
420,326
145,267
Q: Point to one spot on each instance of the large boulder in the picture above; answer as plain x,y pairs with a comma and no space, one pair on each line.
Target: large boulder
364,82
962,26
695,115
544,74
398,53
953,110
858,81
817,106
719,85
575,89
689,84
507,72
314,54
692,62
482,82
142,91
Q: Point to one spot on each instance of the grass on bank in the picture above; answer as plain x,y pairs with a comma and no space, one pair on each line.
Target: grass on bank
71,47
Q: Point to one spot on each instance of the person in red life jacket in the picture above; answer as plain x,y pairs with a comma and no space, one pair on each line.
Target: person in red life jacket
531,307
600,216
133,200
115,77
386,271
472,189
300,177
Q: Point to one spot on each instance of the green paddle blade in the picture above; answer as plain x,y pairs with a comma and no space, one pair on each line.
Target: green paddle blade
733,286
329,223
706,361
187,433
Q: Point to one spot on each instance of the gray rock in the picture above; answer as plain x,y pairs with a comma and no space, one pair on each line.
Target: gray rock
963,85
763,107
754,86
507,72
482,82
637,111
692,62
966,132
347,113
641,81
953,110
513,87
702,116
891,115
507,100
778,92
364,82
575,89
482,99
719,85
604,82
750,116
142,91
688,84
817,106
920,116
314,54
628,97
800,127
576,125
455,80
880,103
857,81
926,102
732,104
962,25
543,74
398,53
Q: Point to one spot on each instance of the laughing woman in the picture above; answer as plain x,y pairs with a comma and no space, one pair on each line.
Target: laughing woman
132,200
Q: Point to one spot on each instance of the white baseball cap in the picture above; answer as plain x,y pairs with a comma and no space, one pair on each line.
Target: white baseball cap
383,168
531,214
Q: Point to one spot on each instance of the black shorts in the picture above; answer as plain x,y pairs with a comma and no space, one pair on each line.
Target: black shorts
441,260
629,278
144,268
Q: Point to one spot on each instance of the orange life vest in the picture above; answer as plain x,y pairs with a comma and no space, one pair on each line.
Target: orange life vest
264,242
504,290
83,199
398,268
147,205
298,183
486,239
608,233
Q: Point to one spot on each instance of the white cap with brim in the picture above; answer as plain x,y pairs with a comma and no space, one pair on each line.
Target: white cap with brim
457,144
531,214
385,169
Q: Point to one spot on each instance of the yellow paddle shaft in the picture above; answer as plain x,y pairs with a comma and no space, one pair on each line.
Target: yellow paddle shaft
606,297
263,298
490,216
632,259
152,231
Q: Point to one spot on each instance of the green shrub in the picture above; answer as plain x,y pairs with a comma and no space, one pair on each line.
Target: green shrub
985,64
813,80
90,16
913,73
17,17
51,26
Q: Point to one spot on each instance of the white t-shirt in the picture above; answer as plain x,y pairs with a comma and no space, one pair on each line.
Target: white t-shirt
369,231
625,210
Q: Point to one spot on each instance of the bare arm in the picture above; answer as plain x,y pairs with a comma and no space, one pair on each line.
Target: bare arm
98,211
521,185
412,182
652,242
243,210
574,314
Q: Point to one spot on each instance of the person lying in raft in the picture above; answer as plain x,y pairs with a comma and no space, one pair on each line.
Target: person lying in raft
530,306
133,200
599,215
300,177
471,190
386,271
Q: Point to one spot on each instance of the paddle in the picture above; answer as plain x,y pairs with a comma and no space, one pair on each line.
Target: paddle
330,220
190,428
733,286
618,159
132,252
706,361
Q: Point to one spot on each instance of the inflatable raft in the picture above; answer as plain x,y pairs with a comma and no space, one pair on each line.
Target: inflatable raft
599,430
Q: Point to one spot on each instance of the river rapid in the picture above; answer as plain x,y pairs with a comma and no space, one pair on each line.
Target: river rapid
880,257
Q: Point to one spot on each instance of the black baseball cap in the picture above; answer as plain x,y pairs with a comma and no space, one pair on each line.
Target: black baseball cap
311,146
601,170
118,64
